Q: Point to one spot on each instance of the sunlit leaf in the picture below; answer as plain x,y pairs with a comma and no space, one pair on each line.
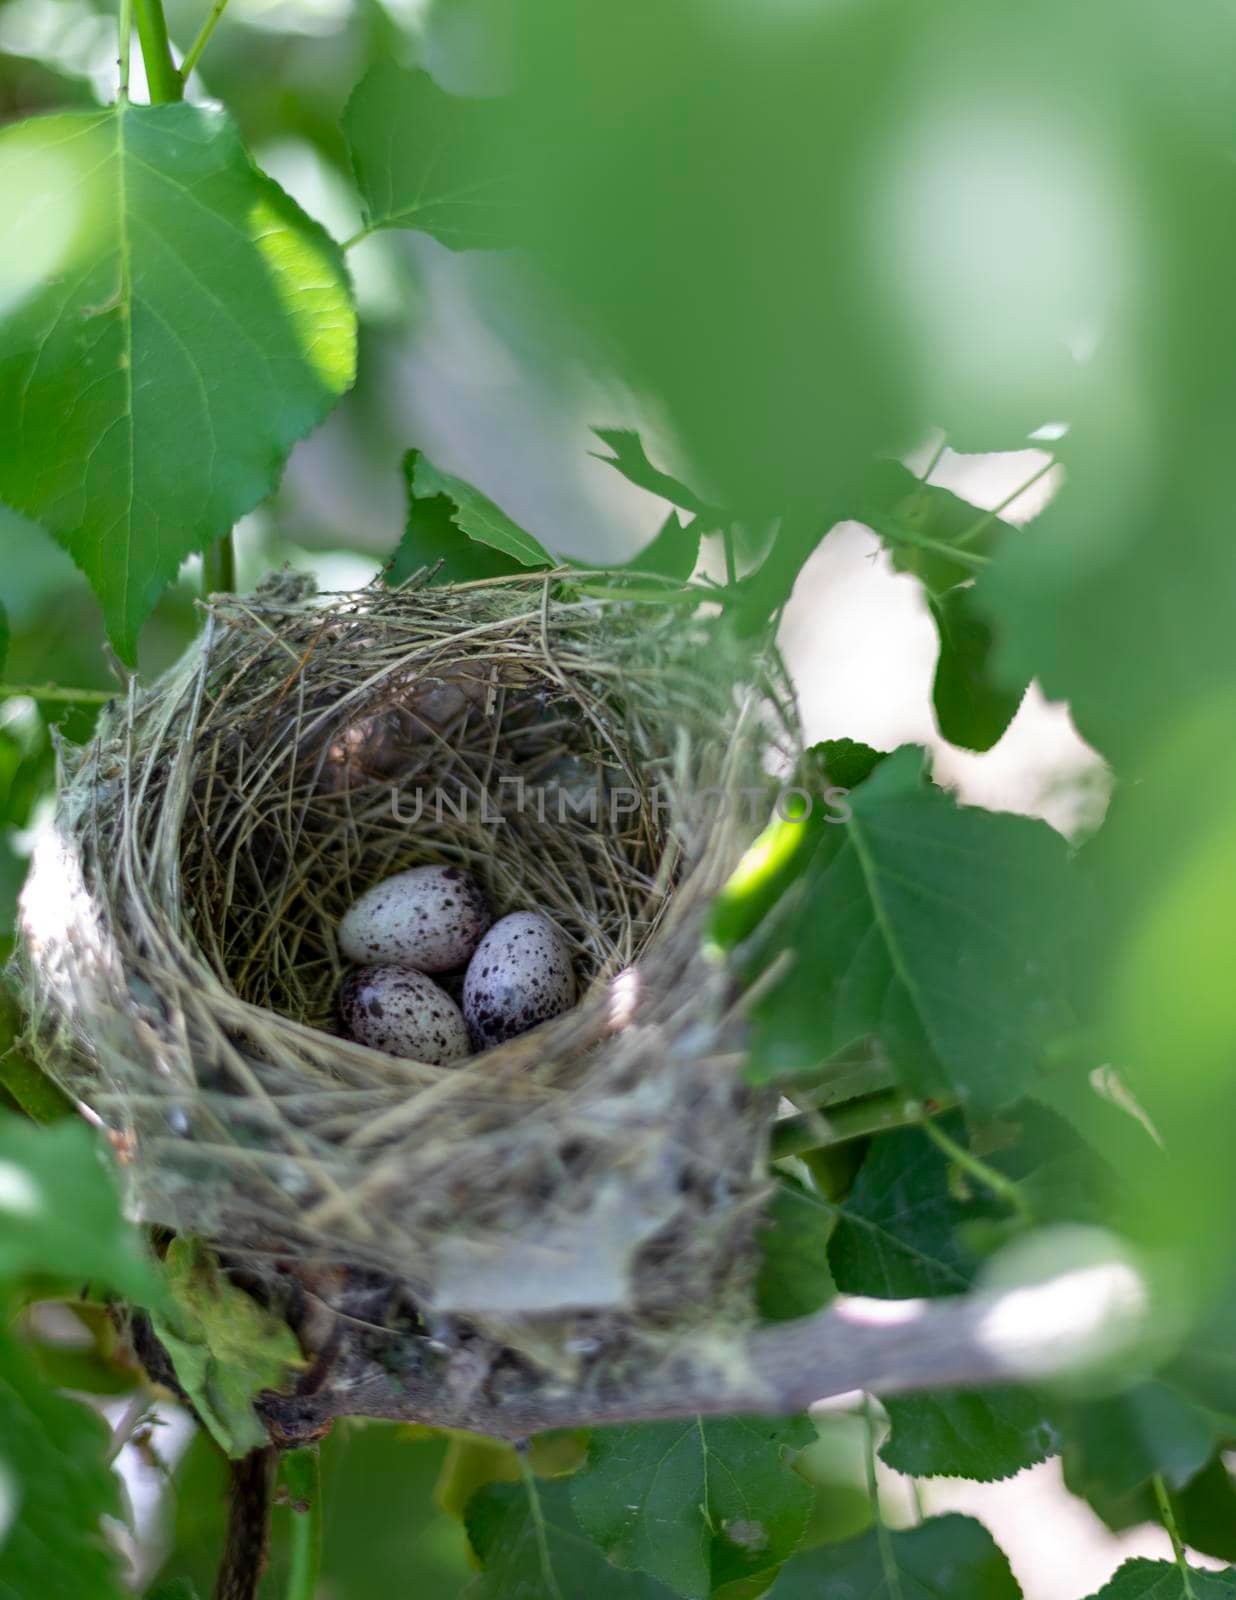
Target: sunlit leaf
186,326
50,1180
225,1347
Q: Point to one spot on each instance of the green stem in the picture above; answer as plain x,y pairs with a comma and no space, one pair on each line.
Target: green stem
820,1130
895,533
358,237
988,517
219,567
303,1479
537,1515
54,694
1168,1518
124,30
731,564
1004,1188
161,74
199,44
935,460
892,1577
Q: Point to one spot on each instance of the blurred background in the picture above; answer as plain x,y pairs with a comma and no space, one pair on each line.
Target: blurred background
779,239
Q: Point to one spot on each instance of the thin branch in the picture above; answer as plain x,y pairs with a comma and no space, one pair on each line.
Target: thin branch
820,1130
1003,1187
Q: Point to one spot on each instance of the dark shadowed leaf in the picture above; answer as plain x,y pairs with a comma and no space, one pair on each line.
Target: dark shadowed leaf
421,159
972,707
696,1504
532,1548
183,325
1117,1444
951,1556
958,1433
794,1277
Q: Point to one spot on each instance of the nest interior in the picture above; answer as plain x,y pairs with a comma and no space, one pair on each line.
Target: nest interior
595,1181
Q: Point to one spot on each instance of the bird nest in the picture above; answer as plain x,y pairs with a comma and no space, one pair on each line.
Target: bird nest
553,1206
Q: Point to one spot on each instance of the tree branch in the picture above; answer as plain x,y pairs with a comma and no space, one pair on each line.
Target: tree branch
882,1346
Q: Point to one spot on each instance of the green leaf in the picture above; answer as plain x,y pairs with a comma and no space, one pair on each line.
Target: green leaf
672,553
630,458
972,708
794,1276
930,532
961,1433
899,1232
532,1548
56,1486
51,1179
419,156
434,535
180,325
226,1349
1163,1580
474,515
907,1226
933,927
951,1556
1117,1444
1205,1511
695,1504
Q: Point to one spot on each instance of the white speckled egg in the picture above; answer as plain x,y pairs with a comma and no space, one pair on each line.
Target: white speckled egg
520,975
431,918
403,1012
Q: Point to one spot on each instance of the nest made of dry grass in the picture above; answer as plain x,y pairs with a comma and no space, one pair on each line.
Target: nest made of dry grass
182,969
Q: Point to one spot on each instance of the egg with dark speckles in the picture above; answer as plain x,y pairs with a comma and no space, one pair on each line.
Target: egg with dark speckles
520,976
430,918
403,1012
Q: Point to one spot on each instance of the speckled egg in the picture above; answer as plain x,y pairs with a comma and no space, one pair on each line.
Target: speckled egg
403,1012
431,918
520,975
